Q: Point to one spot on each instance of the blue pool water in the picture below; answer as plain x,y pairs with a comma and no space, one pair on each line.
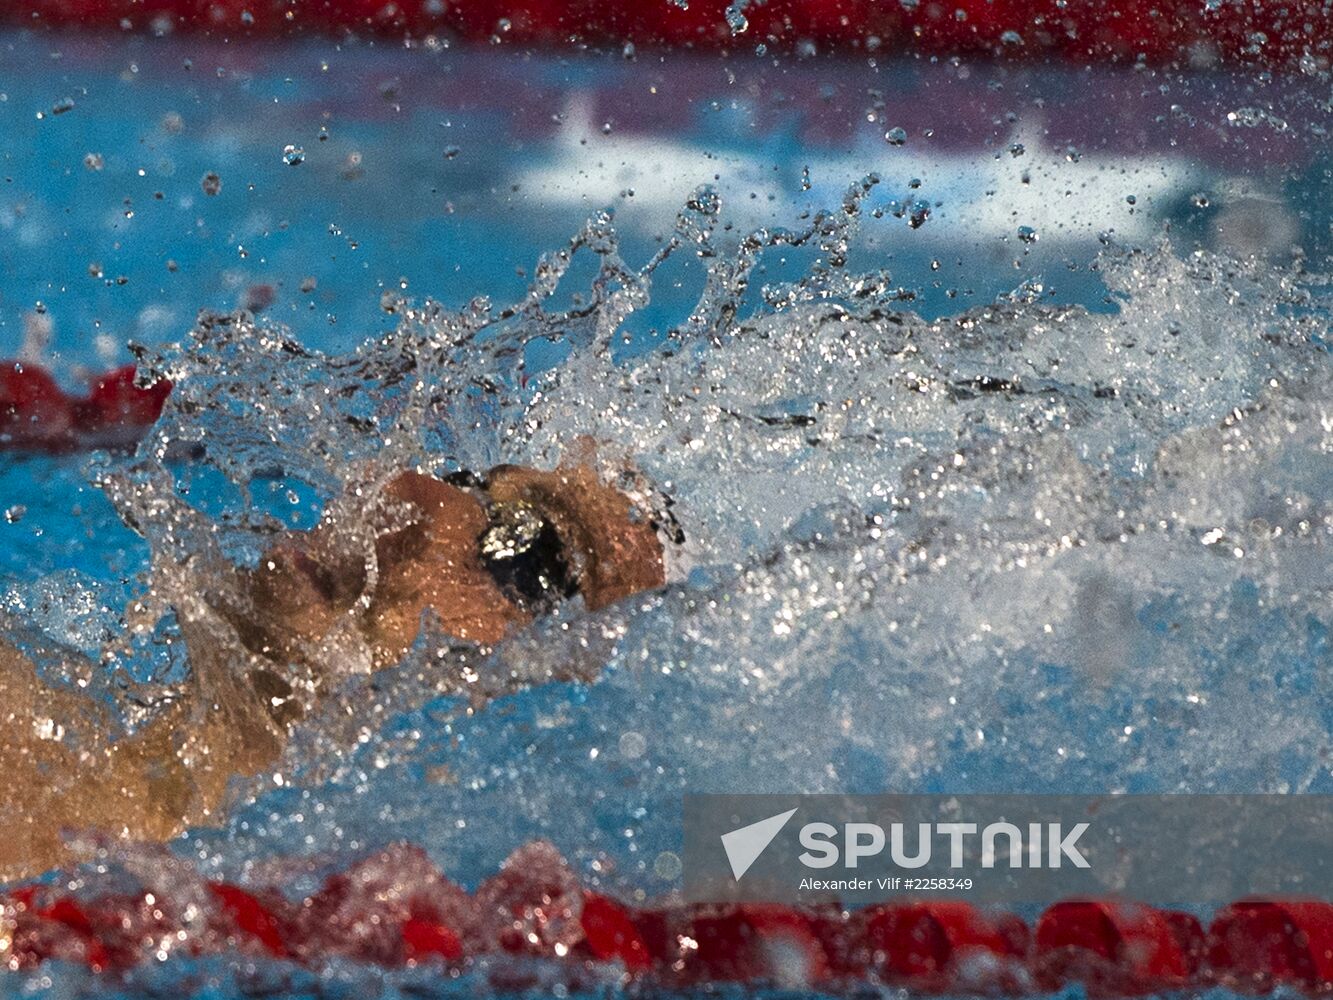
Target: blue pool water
450,171
1096,584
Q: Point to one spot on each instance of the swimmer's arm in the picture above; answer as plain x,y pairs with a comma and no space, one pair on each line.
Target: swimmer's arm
149,786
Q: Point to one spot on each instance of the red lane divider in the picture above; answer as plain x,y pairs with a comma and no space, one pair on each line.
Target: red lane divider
1268,943
756,943
1117,948
609,934
251,918
36,415
1268,32
397,908
931,946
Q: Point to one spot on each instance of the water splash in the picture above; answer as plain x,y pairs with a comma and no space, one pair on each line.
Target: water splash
1021,548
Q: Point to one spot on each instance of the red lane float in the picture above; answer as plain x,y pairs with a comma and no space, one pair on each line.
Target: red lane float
36,415
1267,32
1121,949
756,943
940,946
56,930
396,908
391,908
609,934
1262,943
251,918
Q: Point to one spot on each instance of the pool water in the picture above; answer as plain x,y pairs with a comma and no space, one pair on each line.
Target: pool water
1000,443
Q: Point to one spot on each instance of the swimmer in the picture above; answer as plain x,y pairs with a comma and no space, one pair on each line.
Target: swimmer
484,555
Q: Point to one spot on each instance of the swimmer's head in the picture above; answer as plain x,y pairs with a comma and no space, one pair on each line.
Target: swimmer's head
485,554
608,542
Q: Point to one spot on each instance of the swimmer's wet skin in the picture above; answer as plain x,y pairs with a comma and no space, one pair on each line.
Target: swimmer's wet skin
485,555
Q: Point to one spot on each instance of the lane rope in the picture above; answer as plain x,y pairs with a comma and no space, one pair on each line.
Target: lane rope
36,415
1187,32
396,908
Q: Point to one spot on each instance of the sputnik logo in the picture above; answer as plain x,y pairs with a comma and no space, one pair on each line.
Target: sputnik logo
743,846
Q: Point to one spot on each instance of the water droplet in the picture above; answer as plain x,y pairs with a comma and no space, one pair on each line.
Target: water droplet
211,183
632,745
62,105
293,155
1131,199
14,514
1199,200
1017,149
451,152
1011,38
94,161
1027,234
667,866
896,136
736,19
